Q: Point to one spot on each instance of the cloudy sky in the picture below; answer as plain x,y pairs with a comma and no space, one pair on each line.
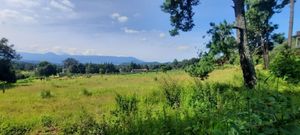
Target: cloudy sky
111,27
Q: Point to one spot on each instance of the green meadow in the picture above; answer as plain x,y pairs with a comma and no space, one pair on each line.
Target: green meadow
24,102
63,99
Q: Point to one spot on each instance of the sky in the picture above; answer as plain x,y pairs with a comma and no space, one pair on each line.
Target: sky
135,28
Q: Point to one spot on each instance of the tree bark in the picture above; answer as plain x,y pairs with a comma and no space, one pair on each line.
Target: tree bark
247,66
265,50
291,23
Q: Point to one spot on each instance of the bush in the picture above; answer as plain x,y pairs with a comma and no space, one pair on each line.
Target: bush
85,92
20,76
211,108
203,68
166,68
14,129
46,69
47,121
126,104
172,92
286,65
46,94
84,125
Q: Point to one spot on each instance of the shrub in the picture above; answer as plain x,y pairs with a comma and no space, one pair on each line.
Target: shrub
166,68
203,68
20,76
46,69
84,125
48,126
85,92
47,121
209,108
46,94
126,104
14,129
172,92
286,65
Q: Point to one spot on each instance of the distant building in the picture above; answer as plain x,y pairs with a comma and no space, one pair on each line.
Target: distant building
298,39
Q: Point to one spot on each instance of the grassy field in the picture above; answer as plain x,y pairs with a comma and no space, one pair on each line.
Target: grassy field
24,101
95,94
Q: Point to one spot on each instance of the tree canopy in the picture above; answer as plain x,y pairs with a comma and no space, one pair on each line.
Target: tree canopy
7,54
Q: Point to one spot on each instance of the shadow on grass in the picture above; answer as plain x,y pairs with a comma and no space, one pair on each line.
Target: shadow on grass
6,86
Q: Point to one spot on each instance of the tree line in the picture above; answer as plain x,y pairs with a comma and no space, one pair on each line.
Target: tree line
73,66
11,66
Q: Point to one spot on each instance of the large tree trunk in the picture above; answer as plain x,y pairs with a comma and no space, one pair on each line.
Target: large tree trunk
265,50
245,57
291,22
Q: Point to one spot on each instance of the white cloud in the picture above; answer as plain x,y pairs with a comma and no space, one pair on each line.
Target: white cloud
36,11
115,15
119,18
130,31
14,16
162,35
68,3
60,50
23,3
182,48
123,19
64,5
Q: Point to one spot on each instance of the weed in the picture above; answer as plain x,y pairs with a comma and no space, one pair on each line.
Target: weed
85,92
172,92
46,94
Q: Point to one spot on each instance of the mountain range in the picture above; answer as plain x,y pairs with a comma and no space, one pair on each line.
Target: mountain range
59,58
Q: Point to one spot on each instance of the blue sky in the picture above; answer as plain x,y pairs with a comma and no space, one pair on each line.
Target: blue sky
135,28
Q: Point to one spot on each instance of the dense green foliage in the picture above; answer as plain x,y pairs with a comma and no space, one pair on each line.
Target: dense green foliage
260,28
286,64
203,67
206,108
181,14
7,54
181,18
46,69
222,42
71,65
172,92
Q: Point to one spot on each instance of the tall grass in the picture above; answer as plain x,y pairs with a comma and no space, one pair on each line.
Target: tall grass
214,108
176,105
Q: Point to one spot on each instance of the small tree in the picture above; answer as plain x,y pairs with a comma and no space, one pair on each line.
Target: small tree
7,54
46,69
260,28
71,65
92,68
203,67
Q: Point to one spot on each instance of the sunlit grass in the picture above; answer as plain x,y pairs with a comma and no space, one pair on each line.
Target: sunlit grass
23,103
